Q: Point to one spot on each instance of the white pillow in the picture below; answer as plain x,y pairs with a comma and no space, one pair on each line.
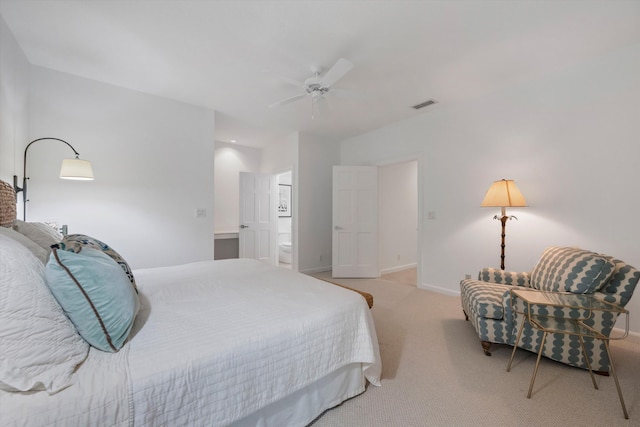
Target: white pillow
40,347
36,249
41,233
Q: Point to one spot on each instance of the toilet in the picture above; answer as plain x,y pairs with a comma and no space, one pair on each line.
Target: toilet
284,248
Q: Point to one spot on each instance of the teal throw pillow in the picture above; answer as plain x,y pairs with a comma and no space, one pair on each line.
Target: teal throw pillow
96,294
75,243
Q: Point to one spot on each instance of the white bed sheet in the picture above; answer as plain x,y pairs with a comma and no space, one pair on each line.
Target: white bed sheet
224,339
214,344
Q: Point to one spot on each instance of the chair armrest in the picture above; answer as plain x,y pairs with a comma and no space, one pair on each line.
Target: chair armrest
494,275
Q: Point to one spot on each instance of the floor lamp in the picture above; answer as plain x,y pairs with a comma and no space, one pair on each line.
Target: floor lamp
71,169
503,194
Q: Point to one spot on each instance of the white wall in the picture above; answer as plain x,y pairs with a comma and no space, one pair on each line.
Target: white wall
277,158
317,156
570,141
398,216
230,160
14,111
153,161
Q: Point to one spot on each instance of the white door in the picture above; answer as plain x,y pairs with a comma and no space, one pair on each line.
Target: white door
258,237
355,221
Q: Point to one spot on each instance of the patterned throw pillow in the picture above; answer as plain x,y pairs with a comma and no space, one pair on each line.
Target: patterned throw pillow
75,242
95,294
571,270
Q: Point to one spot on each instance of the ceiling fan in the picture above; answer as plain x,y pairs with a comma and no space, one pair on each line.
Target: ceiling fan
317,86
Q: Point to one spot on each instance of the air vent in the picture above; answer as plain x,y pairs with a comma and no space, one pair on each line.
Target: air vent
424,104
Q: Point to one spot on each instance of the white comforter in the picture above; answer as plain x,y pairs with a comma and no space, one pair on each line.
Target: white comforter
216,341
230,337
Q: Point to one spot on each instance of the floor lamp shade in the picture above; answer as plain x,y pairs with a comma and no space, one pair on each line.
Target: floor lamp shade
76,169
504,193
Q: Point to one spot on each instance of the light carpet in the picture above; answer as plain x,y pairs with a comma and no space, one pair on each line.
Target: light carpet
435,373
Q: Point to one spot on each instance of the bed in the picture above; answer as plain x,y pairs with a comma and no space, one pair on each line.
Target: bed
215,343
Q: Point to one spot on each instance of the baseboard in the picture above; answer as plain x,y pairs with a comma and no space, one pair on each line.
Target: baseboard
439,290
633,337
398,268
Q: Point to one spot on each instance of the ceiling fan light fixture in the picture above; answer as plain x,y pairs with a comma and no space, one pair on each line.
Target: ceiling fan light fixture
318,85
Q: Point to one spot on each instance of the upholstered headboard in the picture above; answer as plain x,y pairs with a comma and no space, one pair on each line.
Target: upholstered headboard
7,205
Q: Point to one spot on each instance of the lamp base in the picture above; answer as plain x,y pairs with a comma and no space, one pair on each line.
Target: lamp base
503,219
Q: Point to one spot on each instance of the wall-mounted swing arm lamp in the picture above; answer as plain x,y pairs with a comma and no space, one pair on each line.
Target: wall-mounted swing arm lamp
503,194
71,169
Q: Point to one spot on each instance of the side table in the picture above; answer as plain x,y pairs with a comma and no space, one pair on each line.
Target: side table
576,326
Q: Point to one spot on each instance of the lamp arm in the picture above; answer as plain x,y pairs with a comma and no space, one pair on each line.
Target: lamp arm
24,173
24,166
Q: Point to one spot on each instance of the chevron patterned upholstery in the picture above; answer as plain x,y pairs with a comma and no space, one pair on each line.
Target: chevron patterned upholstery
487,302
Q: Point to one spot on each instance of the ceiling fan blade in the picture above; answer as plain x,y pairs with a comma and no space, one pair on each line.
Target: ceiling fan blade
287,100
336,72
290,81
346,94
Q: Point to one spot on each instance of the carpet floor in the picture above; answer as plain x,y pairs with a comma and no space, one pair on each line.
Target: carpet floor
435,373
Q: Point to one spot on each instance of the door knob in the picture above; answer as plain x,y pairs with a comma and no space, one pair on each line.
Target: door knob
244,226
337,227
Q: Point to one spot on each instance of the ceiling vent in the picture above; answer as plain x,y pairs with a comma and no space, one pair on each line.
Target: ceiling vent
424,104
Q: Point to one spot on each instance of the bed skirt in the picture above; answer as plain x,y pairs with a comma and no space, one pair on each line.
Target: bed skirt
304,406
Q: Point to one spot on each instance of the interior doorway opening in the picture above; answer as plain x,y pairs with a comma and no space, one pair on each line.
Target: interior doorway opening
285,219
398,214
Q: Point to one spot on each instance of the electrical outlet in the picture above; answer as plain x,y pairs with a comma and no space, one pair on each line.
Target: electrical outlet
321,257
201,212
467,276
398,257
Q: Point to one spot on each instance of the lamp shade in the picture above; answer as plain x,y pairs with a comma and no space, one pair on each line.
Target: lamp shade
76,169
503,193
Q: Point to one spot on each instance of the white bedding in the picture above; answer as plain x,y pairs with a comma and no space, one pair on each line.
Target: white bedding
225,347
99,397
213,343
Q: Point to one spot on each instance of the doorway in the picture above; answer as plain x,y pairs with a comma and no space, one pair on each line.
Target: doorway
285,219
398,213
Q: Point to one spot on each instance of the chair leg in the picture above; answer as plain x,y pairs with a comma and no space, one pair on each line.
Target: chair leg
486,345
466,316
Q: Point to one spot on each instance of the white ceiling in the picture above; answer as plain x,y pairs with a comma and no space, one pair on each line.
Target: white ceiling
228,55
